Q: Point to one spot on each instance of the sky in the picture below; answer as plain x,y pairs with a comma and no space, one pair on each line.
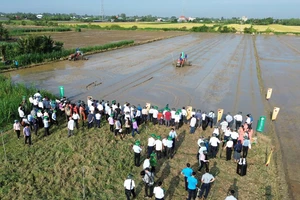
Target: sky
161,8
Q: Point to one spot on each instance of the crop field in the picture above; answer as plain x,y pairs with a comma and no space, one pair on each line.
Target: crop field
274,27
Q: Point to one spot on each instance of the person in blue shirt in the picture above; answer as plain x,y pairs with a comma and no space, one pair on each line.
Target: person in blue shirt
187,172
192,185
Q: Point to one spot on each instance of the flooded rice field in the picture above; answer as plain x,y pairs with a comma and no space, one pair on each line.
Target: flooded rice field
223,75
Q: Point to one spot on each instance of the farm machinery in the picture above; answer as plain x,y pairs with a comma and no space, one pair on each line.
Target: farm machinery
182,61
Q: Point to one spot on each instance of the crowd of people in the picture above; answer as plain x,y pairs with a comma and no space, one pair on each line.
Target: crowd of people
233,134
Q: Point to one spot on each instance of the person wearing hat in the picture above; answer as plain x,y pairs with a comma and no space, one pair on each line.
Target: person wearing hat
153,161
137,153
54,118
160,117
229,147
129,186
27,134
169,147
151,143
177,119
17,128
173,111
173,135
167,117
135,127
238,120
46,122
158,147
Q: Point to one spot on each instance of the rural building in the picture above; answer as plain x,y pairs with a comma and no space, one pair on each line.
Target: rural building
182,19
39,16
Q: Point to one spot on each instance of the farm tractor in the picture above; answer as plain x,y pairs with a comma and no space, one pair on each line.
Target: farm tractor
76,56
182,61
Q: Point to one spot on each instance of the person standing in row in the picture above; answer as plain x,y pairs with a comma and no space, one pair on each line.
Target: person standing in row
192,185
17,128
76,118
46,125
229,147
27,134
173,135
193,124
169,147
129,186
187,172
148,179
137,153
206,180
158,147
238,120
71,125
158,192
134,127
214,142
151,143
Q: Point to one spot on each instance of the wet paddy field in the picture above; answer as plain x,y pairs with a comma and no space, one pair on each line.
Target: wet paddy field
223,75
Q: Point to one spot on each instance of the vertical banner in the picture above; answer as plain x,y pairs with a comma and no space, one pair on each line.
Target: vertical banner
189,112
275,113
220,114
269,93
61,91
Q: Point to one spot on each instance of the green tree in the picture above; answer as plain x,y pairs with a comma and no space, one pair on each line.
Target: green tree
4,35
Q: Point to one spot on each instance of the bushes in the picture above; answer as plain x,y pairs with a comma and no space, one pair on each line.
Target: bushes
20,31
27,59
250,30
203,28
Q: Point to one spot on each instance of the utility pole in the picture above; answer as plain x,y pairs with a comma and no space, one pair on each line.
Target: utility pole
102,9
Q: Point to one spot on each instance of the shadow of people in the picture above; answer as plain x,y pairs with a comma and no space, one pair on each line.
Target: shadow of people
171,190
181,137
214,170
268,194
166,171
235,188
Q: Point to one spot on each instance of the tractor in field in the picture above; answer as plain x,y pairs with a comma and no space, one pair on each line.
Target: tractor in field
182,61
76,56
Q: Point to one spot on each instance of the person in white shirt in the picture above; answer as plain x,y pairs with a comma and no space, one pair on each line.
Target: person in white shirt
70,127
154,115
214,142
231,196
146,163
204,121
211,117
200,140
37,95
151,143
193,124
173,135
158,192
76,118
229,147
145,114
100,107
238,120
173,111
224,125
129,186
216,131
184,114
151,114
158,147
227,134
137,153
169,147
98,118
234,135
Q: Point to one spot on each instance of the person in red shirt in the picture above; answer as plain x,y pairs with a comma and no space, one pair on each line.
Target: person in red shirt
167,117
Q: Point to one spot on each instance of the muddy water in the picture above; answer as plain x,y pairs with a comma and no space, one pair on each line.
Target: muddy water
280,61
223,74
